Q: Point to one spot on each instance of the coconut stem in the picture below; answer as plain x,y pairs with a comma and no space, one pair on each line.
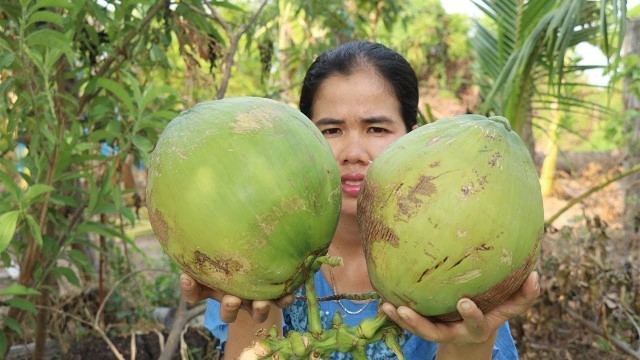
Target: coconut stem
315,323
318,342
340,337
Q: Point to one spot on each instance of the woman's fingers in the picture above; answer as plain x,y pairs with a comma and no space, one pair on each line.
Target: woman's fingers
193,291
519,303
411,321
475,324
230,304
285,301
260,310
190,288
229,307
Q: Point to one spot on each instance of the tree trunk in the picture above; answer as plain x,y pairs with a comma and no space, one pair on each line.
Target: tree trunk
548,170
284,43
632,103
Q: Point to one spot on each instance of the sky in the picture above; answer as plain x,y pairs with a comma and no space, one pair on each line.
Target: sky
467,7
590,54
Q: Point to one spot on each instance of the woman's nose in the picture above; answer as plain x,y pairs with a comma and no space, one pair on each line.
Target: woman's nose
355,151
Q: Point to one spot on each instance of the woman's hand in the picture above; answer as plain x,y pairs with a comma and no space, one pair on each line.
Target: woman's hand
475,327
230,304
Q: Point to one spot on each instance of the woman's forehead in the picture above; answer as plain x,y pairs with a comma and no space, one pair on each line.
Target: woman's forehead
362,93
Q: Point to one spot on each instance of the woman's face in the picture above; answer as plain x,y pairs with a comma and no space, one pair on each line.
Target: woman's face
359,116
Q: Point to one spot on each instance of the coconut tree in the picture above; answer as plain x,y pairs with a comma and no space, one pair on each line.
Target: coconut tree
521,53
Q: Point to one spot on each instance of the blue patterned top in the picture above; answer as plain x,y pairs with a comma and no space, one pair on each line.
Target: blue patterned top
295,318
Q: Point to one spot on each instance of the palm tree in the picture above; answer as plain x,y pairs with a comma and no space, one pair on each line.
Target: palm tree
522,52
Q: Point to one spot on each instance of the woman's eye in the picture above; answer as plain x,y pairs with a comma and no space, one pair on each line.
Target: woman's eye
377,130
331,131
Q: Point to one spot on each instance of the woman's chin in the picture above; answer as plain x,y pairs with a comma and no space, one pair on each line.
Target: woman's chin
349,206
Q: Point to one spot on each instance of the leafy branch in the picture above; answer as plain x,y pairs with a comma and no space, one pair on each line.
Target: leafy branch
234,38
596,329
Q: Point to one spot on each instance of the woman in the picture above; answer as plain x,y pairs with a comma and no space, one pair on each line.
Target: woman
363,96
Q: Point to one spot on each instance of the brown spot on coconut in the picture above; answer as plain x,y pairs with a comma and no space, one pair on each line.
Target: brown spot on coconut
410,200
159,226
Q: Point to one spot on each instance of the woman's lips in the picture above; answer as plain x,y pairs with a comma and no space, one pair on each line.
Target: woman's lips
351,184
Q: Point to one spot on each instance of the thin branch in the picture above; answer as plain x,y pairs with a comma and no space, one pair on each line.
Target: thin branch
182,318
594,328
106,65
253,17
132,344
115,286
234,38
98,329
588,193
215,15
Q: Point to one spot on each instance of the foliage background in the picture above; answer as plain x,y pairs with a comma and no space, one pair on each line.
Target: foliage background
86,87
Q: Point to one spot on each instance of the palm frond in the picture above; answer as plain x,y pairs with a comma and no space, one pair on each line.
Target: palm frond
532,42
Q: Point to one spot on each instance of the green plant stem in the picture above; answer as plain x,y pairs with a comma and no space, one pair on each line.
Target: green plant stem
340,337
315,323
588,193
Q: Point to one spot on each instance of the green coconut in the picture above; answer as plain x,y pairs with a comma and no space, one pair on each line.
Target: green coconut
453,209
242,194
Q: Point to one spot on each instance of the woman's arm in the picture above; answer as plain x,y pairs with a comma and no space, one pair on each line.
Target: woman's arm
242,332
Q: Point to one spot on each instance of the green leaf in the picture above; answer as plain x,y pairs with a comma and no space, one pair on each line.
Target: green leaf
35,229
46,16
50,39
118,91
54,3
64,200
142,143
8,222
3,342
228,5
128,214
102,134
11,185
36,190
100,229
22,304
7,60
17,289
135,88
14,325
154,92
93,195
79,259
69,274
5,85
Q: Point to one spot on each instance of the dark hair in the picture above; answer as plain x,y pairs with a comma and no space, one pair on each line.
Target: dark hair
352,56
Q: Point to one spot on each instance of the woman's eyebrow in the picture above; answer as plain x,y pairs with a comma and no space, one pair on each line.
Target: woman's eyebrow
377,120
329,121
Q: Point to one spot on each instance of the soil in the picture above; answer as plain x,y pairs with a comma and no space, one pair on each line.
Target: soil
198,342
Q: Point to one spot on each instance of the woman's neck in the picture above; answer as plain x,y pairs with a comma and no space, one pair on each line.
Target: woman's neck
346,240
352,275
